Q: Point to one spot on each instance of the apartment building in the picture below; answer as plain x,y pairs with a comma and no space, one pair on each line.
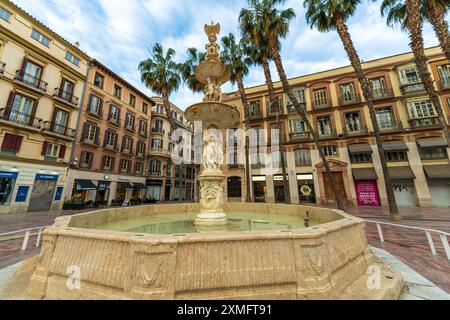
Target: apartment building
109,158
168,181
41,83
417,153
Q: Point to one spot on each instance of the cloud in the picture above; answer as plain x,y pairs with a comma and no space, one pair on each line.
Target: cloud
120,34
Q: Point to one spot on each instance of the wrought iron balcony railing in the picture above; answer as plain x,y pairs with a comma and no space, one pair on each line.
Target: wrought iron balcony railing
412,88
349,99
58,129
24,119
65,96
383,93
424,122
30,81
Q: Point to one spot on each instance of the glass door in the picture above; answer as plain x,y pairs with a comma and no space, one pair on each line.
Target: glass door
60,123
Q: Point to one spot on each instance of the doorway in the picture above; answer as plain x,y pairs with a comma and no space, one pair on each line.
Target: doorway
329,194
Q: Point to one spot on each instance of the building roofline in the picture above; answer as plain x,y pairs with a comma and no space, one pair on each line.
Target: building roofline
126,83
172,105
53,33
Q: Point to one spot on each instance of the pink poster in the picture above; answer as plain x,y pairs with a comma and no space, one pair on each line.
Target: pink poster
367,193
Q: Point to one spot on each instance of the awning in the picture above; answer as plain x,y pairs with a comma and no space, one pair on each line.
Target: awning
126,186
140,186
360,148
103,185
432,142
395,146
398,173
364,174
85,185
438,171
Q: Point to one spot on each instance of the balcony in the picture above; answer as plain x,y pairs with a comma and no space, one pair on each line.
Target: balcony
159,113
351,99
30,81
110,147
113,121
96,113
255,116
155,173
412,88
236,166
58,130
158,131
19,119
160,152
128,152
429,122
444,84
272,112
321,105
395,127
299,136
143,134
66,97
140,154
352,132
328,135
2,68
379,94
291,107
130,127
92,142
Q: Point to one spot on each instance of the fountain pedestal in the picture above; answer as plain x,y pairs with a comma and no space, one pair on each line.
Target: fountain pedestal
211,200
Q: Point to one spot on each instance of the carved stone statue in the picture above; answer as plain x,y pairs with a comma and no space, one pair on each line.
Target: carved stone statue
212,91
212,153
211,196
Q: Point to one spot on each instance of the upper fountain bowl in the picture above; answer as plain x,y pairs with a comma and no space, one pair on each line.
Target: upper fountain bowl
213,114
212,69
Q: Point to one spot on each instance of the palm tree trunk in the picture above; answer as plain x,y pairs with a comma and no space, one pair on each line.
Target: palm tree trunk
368,96
279,64
414,25
272,99
440,26
247,142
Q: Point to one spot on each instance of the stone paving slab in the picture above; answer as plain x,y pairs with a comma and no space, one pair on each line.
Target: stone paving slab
417,287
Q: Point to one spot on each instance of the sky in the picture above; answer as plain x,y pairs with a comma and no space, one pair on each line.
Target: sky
120,34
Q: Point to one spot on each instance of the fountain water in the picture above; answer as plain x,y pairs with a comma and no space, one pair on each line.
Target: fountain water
214,115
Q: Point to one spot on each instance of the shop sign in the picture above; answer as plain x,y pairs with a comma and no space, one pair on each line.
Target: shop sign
303,177
259,178
367,193
58,194
22,193
47,177
306,190
9,175
154,183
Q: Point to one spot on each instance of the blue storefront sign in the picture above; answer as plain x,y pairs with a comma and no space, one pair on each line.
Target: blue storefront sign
8,175
58,193
22,193
47,177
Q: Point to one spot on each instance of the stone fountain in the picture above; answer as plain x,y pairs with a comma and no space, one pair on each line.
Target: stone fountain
214,115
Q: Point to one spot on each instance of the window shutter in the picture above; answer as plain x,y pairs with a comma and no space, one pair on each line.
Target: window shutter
23,66
90,160
103,162
44,148
9,104
62,151
81,158
145,147
131,146
97,135
100,108
17,142
8,141
83,133
123,144
105,139
129,165
118,115
112,163
90,102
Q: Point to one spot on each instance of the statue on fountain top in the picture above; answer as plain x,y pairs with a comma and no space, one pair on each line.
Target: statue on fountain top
212,48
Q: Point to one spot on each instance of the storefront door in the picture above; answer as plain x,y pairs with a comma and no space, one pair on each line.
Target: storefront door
339,180
440,192
405,194
42,194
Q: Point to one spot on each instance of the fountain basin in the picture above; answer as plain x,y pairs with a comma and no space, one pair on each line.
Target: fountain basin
213,113
320,262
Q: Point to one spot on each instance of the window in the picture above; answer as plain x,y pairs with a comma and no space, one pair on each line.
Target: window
302,157
408,75
352,121
379,89
158,126
320,97
254,108
330,151
360,157
139,167
132,100
141,148
144,107
143,127
233,137
297,126
347,92
324,125
86,159
36,35
114,113
127,144
433,153
157,144
420,109
155,167
168,170
90,132
52,150
99,80
11,143
159,109
71,58
124,165
5,15
299,94
32,74
95,105
385,118
117,91
129,121
21,109
277,105
110,139
444,73
108,163
396,156
6,188
66,90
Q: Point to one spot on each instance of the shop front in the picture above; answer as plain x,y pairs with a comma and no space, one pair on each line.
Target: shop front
403,184
259,188
103,191
123,192
278,186
305,184
154,189
84,190
42,193
139,192
7,185
168,190
438,180
366,188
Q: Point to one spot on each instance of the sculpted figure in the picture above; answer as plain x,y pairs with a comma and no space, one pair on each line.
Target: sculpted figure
211,195
212,153
212,91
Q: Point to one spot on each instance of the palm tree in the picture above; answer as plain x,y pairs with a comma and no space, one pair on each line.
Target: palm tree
161,74
272,24
410,18
194,58
259,53
432,10
234,58
332,15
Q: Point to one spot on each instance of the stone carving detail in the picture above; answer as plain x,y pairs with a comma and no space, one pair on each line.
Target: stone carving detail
212,91
212,48
211,198
151,270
